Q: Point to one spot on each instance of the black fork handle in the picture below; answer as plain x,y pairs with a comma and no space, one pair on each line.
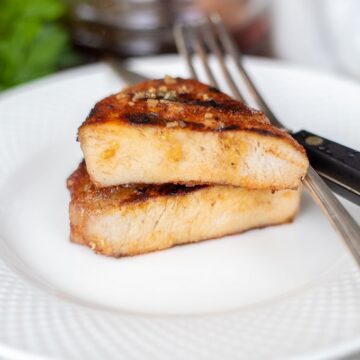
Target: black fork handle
337,164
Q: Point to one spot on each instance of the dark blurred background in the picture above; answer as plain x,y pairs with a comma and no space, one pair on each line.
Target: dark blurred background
39,37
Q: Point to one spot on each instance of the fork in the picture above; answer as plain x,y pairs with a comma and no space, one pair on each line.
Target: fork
211,34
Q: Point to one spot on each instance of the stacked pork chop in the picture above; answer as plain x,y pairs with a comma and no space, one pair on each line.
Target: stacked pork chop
174,161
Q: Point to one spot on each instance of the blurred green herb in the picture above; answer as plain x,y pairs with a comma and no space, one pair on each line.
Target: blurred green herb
33,40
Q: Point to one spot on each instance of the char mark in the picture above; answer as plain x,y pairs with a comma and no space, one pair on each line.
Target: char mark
223,106
143,119
93,112
213,89
176,189
142,194
228,128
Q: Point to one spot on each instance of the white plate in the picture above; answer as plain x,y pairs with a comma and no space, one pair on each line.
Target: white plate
284,291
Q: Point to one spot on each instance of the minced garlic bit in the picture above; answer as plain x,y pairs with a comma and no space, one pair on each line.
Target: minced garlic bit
182,124
161,93
172,124
208,116
205,97
121,95
184,89
209,123
130,103
221,125
152,102
169,80
170,95
140,95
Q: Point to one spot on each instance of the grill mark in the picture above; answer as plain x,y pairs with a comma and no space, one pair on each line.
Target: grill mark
213,89
148,192
228,128
227,105
143,119
223,106
206,103
176,189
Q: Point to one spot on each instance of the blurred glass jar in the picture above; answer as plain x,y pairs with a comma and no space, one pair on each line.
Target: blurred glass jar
144,27
321,33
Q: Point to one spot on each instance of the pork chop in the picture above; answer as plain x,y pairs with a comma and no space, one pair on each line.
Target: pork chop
137,219
182,131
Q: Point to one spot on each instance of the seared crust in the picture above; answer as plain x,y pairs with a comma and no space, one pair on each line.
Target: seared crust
200,107
130,220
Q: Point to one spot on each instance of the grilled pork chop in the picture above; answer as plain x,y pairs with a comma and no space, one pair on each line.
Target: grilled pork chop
182,131
137,219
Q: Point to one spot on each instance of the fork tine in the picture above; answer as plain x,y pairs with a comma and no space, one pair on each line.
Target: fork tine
195,46
180,36
200,51
208,34
236,55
